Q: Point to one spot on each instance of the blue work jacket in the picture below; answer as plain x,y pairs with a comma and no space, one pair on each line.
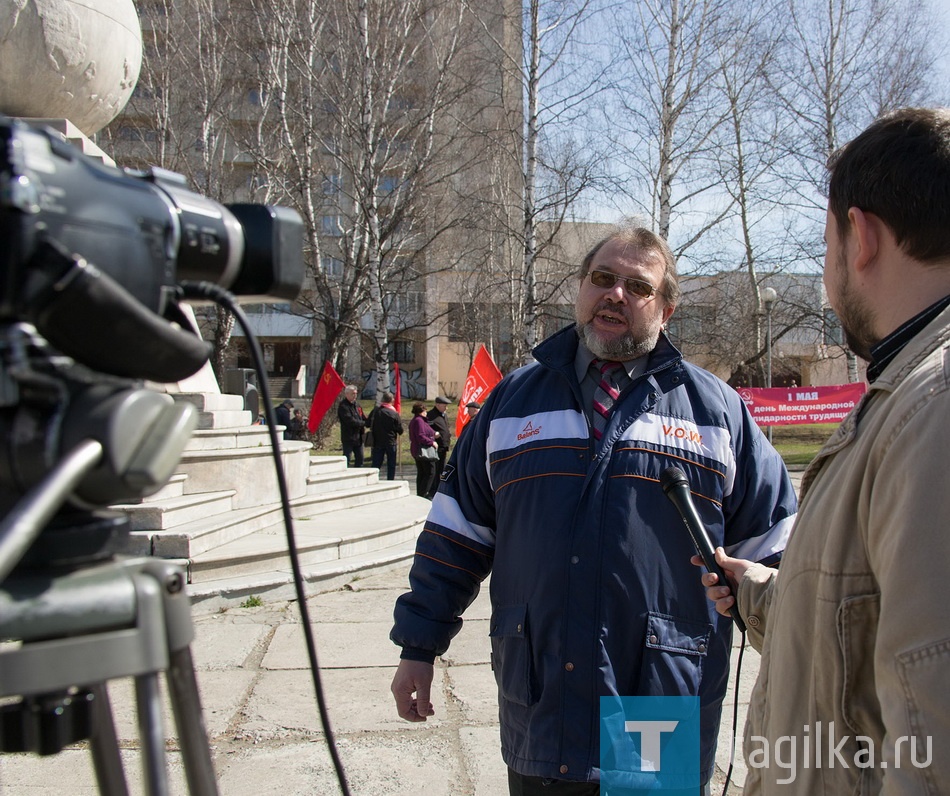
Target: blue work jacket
592,590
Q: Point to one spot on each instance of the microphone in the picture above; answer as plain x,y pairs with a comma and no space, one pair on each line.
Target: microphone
676,488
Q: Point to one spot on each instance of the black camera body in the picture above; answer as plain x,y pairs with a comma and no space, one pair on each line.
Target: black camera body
84,243
92,260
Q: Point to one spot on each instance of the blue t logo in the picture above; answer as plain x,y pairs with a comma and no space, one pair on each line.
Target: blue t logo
649,744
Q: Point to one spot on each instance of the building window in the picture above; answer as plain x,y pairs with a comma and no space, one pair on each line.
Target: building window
255,181
136,134
691,325
403,351
465,321
330,226
404,303
332,184
389,185
332,267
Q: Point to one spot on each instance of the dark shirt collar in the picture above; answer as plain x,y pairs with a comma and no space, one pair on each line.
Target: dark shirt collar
583,357
893,344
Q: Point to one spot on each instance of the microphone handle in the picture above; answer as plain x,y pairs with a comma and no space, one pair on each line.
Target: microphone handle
705,549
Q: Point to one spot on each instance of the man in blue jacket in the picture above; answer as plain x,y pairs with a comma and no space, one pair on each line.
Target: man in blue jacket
556,492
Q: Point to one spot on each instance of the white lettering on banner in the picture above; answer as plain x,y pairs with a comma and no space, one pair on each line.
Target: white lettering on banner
778,406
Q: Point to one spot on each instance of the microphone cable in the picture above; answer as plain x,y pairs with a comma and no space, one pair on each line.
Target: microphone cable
212,292
735,715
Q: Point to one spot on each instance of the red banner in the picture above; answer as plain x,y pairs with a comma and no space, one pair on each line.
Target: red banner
787,406
397,389
482,378
329,387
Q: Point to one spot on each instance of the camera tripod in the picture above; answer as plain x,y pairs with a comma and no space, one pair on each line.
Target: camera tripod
82,628
75,613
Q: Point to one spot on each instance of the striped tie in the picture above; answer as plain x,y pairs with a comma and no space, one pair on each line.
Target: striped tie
605,393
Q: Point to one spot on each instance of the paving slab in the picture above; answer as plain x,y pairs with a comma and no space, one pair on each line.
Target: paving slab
264,727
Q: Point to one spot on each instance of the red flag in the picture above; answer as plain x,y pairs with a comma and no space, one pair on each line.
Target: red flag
397,392
329,387
482,377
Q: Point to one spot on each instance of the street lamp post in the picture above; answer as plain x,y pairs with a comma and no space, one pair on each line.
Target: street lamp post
768,298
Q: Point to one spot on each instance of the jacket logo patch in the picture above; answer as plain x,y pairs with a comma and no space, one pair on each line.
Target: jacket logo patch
529,431
682,433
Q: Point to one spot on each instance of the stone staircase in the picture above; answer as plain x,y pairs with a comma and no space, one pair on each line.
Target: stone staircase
220,515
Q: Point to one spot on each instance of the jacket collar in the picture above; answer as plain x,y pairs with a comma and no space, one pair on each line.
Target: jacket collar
891,346
558,351
932,336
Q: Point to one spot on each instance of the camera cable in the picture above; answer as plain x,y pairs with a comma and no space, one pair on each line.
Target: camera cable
209,291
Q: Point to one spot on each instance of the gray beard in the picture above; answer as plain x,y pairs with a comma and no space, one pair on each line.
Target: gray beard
621,349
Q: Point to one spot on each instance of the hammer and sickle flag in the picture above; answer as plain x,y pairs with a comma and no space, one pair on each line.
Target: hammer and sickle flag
329,387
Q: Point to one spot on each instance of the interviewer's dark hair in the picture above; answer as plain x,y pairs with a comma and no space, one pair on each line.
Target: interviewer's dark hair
899,170
645,240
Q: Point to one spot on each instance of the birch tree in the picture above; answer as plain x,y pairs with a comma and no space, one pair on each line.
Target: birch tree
844,62
666,116
357,133
545,145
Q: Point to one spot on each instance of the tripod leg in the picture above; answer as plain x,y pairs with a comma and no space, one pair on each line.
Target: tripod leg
192,736
151,734
104,746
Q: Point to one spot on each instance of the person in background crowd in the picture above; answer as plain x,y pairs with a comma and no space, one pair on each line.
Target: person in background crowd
854,633
555,491
352,427
283,417
473,407
298,426
386,425
443,439
422,438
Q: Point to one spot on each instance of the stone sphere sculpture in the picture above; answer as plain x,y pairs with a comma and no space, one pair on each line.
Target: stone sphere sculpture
66,59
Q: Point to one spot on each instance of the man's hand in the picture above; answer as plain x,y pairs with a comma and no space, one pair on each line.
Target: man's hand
413,677
722,595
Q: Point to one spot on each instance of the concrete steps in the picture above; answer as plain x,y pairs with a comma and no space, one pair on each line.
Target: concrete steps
332,549
221,518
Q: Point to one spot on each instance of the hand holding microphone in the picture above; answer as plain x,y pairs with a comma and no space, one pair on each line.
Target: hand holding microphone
676,488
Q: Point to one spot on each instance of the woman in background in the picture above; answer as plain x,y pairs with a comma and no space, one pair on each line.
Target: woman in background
421,440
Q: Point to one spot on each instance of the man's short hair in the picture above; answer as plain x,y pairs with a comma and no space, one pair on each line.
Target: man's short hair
643,239
899,170
388,397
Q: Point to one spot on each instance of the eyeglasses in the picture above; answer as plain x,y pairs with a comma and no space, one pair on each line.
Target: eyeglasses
635,287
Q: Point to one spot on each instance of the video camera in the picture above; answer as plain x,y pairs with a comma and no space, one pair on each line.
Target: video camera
91,263
92,255
94,262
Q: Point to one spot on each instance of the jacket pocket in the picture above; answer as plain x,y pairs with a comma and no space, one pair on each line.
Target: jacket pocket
673,655
511,654
858,619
